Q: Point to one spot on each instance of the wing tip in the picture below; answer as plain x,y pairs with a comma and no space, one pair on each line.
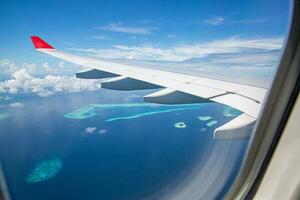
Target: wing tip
38,43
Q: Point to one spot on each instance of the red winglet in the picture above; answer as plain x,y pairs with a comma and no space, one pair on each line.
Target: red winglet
39,43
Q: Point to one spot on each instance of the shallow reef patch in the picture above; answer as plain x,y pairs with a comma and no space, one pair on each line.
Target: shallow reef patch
146,114
45,170
204,118
81,113
211,123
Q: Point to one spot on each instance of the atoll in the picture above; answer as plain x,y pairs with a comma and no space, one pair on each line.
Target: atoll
180,125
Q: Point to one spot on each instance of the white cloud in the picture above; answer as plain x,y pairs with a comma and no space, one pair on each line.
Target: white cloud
16,105
214,20
61,64
119,27
22,81
187,51
102,131
99,37
48,70
8,67
90,130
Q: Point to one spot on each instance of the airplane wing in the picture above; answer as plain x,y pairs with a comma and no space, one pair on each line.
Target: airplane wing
176,88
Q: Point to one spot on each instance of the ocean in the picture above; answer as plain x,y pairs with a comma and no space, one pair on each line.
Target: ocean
109,145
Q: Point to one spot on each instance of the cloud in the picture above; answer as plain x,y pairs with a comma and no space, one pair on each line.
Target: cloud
22,81
90,130
93,130
186,51
214,20
102,132
8,67
120,28
16,105
98,37
48,69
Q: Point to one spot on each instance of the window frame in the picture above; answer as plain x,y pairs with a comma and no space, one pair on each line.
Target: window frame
275,111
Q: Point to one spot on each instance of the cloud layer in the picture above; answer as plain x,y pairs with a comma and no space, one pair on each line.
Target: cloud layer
121,28
7,68
187,51
22,81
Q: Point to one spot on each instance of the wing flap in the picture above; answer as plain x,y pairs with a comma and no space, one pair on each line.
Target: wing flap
94,74
126,83
250,92
244,104
238,128
170,96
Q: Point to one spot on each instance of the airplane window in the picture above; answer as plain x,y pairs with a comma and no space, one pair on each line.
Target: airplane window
127,100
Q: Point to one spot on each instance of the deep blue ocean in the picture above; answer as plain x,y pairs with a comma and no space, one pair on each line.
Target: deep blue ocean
141,157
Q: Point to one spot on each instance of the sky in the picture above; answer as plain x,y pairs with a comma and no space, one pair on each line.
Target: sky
215,34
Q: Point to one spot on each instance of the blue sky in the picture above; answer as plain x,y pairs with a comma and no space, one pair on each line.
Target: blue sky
143,30
163,23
